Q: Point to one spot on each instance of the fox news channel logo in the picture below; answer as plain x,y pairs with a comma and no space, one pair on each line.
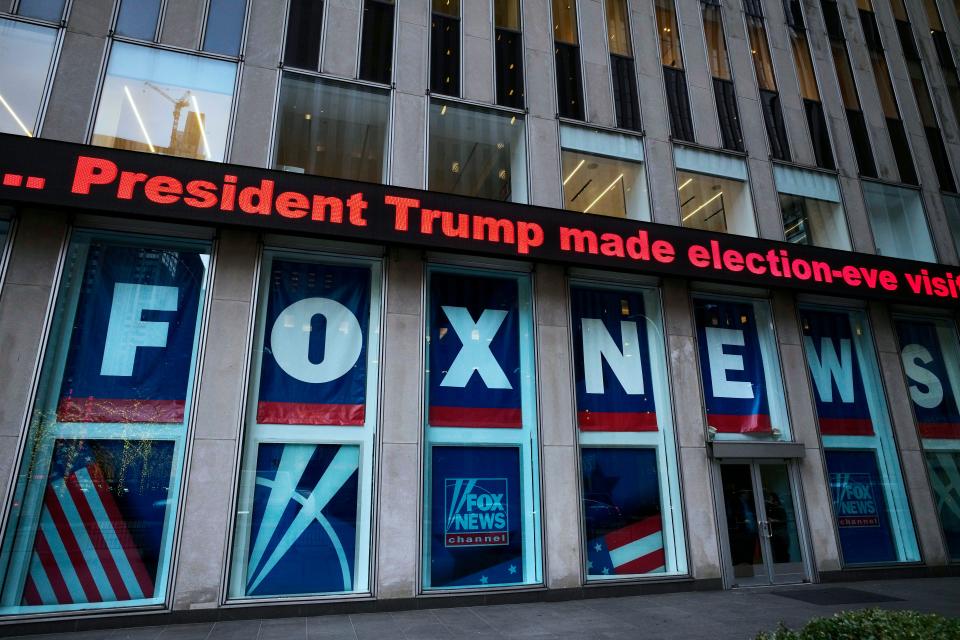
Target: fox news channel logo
476,512
854,500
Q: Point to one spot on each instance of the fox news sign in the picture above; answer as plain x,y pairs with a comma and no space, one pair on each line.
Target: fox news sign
476,512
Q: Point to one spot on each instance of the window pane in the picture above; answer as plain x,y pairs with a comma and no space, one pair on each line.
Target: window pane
762,63
447,7
804,64
933,15
716,44
626,100
814,222
482,490
108,431
165,102
931,362
670,54
225,26
304,26
26,52
477,152
605,186
678,103
509,56
869,501
848,88
376,52
569,85
951,205
445,55
43,9
898,221
740,369
506,14
565,21
138,18
307,474
332,129
618,28
945,479
713,203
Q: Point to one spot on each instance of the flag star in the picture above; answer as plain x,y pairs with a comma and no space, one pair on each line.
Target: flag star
606,571
512,569
597,547
589,564
484,579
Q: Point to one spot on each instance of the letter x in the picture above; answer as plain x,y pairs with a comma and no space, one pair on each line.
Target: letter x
475,354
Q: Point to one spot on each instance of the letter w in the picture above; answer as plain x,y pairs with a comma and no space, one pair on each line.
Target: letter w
475,354
598,344
828,367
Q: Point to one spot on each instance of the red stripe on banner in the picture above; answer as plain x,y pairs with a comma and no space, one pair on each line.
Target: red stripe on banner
740,424
846,427
31,596
475,417
111,410
309,413
616,421
643,564
96,538
950,430
120,528
77,561
60,591
632,533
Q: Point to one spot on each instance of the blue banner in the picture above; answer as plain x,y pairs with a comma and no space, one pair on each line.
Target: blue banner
734,381
860,507
314,367
474,352
621,504
934,403
842,408
476,535
131,349
945,480
303,537
612,361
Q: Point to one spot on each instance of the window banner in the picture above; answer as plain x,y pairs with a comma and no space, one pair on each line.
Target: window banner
621,504
132,343
860,507
934,402
304,519
474,352
945,480
101,524
834,366
314,367
612,360
734,382
476,536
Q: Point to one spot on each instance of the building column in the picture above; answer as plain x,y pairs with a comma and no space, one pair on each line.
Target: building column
477,60
341,38
597,83
540,95
410,65
697,72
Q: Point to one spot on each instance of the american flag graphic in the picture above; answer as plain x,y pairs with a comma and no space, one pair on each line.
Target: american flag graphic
83,551
636,548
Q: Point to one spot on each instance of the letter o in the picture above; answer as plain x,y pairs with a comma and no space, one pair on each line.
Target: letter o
290,340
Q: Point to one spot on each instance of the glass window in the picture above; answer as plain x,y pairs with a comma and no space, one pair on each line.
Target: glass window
94,507
898,221
225,26
508,50
376,51
631,502
724,92
951,205
762,63
869,501
26,55
307,470
811,208
304,28
740,369
477,152
716,43
332,129
138,18
618,28
165,102
714,192
603,173
481,522
670,53
447,7
565,21
626,100
51,10
567,59
506,14
445,48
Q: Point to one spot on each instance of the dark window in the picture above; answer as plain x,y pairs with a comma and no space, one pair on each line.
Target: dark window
753,8
831,19
794,13
776,130
861,143
445,55
569,87
943,49
901,151
43,9
225,26
303,34
941,162
729,117
138,19
376,53
625,93
508,51
819,134
681,120
870,31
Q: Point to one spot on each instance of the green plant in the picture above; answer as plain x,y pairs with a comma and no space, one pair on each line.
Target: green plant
872,624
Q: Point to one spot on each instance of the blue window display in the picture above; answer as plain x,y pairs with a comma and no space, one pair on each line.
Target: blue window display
945,479
95,502
860,507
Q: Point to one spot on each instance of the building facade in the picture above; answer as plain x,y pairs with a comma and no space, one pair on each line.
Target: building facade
357,303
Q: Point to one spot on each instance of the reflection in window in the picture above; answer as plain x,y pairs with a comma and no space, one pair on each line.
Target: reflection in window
96,498
477,152
51,10
445,47
603,173
625,97
331,129
139,18
769,96
809,92
508,50
674,77
713,191
567,54
225,26
811,208
26,54
725,94
304,26
165,102
898,221
376,49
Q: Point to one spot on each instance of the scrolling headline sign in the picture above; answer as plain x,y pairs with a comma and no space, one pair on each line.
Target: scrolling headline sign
145,185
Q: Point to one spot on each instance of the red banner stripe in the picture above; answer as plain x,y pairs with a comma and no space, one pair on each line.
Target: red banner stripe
119,410
616,421
310,413
632,533
31,596
949,430
52,504
643,564
109,565
50,567
475,417
740,424
846,427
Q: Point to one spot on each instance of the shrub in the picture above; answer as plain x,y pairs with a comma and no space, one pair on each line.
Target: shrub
872,624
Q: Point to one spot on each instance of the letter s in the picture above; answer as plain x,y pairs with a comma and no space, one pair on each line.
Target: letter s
913,355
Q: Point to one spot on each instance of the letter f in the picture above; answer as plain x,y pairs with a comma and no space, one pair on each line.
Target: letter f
126,331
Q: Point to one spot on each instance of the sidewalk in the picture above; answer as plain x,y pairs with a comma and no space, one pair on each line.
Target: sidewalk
713,615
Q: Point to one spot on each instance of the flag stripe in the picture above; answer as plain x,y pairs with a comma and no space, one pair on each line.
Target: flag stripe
77,561
616,421
846,427
758,423
480,417
51,570
31,596
636,549
644,564
310,413
632,533
119,410
949,430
